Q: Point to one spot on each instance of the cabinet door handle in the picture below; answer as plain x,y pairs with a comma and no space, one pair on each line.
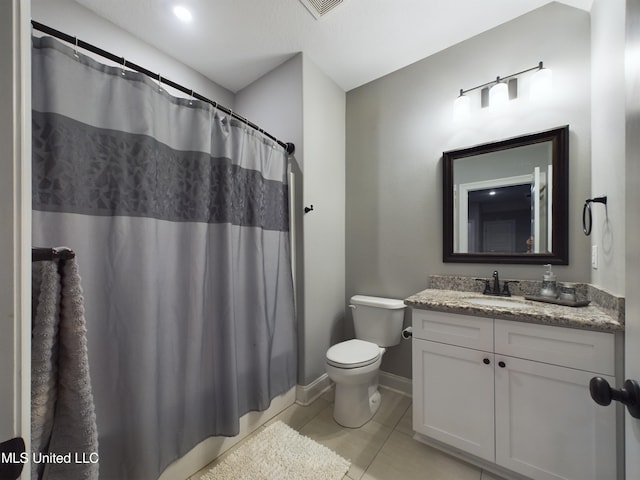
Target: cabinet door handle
628,395
501,364
486,361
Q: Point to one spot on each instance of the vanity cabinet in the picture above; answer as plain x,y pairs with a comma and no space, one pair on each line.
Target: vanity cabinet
514,394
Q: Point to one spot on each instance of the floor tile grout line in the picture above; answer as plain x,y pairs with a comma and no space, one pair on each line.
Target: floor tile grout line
391,429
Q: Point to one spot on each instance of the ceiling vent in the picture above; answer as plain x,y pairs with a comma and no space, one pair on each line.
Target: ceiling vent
319,8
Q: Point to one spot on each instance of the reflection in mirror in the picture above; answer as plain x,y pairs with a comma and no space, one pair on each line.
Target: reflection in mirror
503,201
506,201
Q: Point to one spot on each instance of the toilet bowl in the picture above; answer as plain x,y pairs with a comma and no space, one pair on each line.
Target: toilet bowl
354,365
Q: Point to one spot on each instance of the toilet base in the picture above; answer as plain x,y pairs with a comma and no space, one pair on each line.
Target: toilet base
355,405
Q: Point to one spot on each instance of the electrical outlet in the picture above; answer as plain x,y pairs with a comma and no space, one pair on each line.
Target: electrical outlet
594,257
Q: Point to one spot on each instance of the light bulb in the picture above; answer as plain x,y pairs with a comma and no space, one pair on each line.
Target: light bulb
541,85
461,108
499,95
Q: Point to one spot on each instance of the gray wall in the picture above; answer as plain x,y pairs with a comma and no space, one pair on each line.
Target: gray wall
324,227
399,125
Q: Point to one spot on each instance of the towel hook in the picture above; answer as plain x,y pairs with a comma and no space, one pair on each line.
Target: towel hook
586,213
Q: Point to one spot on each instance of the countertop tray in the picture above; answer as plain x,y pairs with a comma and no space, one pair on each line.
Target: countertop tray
558,301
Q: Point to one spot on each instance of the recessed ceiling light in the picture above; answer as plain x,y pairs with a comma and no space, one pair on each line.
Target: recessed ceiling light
182,13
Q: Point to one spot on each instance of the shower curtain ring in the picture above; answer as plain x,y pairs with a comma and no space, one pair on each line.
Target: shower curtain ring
159,82
124,64
191,100
75,50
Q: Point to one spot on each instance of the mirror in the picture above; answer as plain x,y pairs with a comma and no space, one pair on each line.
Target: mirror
507,201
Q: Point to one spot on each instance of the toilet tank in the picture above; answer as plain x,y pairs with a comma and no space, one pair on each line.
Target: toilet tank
377,320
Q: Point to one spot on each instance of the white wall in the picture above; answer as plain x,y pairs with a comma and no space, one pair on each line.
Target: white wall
78,21
398,127
608,142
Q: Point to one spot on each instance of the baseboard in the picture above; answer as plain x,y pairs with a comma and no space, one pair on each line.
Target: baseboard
307,394
211,448
396,383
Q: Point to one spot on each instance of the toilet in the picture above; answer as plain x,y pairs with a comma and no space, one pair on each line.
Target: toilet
353,365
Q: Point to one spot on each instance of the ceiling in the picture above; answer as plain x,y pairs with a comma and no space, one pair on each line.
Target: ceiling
235,42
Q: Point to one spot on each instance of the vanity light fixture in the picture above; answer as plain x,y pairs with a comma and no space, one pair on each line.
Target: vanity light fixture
498,92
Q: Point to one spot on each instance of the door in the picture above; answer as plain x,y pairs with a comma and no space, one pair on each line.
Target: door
499,236
453,389
632,280
547,426
15,207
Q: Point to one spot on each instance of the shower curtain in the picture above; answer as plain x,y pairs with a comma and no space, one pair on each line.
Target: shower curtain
179,218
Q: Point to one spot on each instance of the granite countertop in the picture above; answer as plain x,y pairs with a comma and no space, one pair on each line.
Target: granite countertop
591,317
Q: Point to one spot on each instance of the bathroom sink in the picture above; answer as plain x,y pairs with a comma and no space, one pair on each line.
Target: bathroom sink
496,302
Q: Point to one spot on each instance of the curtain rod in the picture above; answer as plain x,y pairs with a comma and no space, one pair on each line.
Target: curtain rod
39,254
289,147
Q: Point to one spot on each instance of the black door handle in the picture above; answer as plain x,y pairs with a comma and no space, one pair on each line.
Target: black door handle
628,395
11,454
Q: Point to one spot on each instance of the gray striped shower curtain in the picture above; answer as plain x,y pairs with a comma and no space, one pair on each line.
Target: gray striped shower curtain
179,219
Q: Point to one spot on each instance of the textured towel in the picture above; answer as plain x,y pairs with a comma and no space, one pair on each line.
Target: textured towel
74,434
44,357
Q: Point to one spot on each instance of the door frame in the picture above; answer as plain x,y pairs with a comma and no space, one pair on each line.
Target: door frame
463,205
15,211
632,228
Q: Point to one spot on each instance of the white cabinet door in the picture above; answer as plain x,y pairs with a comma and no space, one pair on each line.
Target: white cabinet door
547,426
453,392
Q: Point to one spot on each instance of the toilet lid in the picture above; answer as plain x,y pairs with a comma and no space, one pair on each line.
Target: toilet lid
353,353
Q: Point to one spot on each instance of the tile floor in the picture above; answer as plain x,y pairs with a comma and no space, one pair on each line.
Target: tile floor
382,449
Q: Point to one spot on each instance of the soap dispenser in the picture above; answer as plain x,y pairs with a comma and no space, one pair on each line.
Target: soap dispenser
549,287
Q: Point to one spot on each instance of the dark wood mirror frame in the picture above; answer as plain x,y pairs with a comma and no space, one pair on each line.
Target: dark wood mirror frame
559,138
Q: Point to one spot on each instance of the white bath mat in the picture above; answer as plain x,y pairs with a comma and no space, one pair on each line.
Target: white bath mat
280,453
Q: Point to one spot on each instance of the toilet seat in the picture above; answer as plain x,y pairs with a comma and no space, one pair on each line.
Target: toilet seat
353,354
